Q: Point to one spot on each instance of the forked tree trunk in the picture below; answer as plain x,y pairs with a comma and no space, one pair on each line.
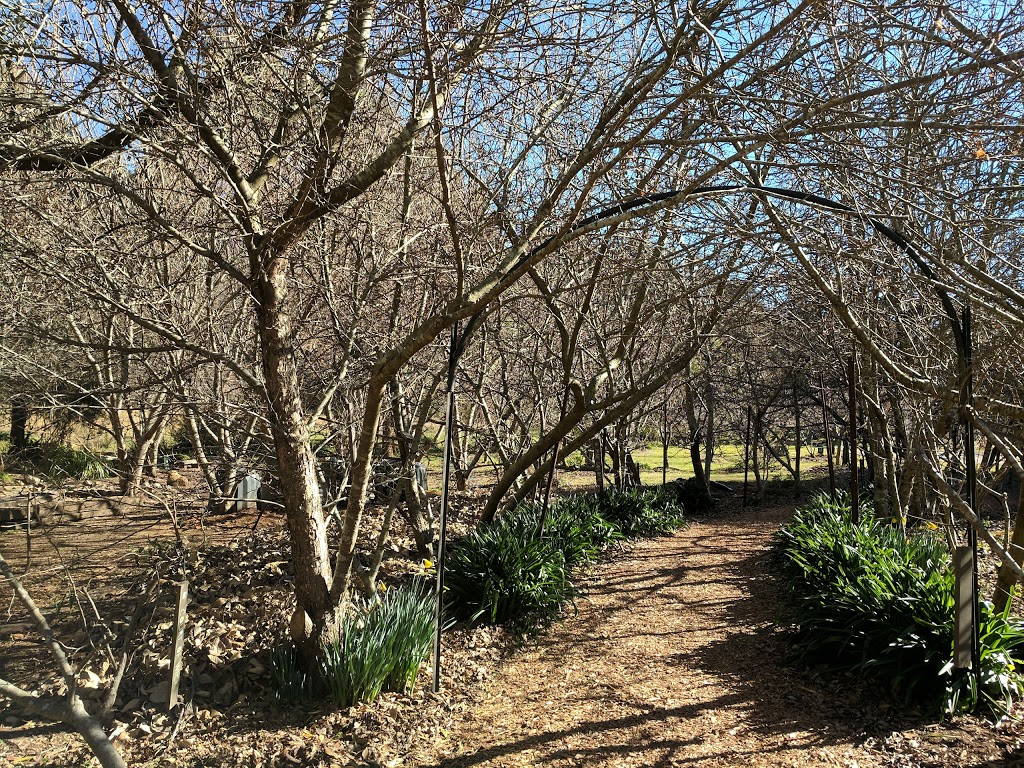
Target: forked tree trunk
613,450
359,484
696,458
1006,579
296,463
131,464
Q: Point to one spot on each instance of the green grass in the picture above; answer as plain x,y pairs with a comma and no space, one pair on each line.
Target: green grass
726,466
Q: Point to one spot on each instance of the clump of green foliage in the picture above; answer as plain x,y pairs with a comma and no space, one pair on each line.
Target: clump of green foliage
56,460
640,513
868,599
575,460
292,682
380,647
517,571
581,529
60,461
505,572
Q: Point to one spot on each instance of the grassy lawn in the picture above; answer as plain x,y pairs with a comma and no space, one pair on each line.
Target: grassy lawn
726,466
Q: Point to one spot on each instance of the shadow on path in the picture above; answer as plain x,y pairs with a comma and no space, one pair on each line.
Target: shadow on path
673,659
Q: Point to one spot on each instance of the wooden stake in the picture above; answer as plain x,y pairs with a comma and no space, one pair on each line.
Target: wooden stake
180,618
963,611
28,534
746,456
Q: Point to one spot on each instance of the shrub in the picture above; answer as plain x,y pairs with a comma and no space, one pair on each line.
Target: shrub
504,573
1000,683
867,599
575,460
695,497
577,527
379,647
510,572
58,461
642,512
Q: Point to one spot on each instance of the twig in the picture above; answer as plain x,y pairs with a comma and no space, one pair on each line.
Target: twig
70,709
66,671
971,517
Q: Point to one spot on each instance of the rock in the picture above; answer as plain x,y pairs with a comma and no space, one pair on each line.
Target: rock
176,480
160,693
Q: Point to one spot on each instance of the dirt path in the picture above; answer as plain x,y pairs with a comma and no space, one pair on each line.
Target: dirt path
672,661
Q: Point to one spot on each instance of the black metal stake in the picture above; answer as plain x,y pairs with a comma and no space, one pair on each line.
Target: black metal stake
796,409
828,437
664,444
854,469
449,424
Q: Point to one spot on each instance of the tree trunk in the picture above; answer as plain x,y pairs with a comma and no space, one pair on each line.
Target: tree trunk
130,467
360,481
709,434
19,425
94,735
210,474
755,461
296,463
879,446
799,444
152,459
531,457
616,460
696,458
1006,578
407,489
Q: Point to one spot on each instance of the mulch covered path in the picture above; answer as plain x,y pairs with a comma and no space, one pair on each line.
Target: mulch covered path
673,660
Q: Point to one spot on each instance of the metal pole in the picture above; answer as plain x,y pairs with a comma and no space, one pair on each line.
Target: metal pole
449,424
796,409
746,456
828,437
972,490
664,444
854,469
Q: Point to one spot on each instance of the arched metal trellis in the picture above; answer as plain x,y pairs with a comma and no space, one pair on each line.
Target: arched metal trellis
960,325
